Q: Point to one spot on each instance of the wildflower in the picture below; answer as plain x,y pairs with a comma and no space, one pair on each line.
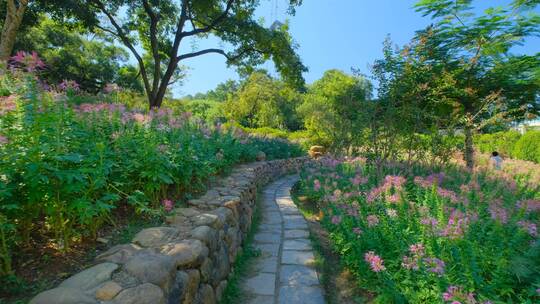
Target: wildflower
429,221
435,265
394,198
357,230
410,263
336,219
530,227
3,140
372,220
168,205
391,212
375,262
498,212
69,85
449,194
417,249
530,205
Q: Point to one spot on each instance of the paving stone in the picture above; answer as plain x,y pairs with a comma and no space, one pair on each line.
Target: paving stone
275,228
268,249
296,234
261,300
300,295
267,237
297,257
299,244
261,284
266,264
298,275
295,224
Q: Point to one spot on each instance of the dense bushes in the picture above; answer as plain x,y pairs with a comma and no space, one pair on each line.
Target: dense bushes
64,169
511,144
445,237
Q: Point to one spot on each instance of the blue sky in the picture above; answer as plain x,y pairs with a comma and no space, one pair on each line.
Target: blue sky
331,34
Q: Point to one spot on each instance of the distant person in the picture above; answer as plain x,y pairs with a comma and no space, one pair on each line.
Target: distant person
496,160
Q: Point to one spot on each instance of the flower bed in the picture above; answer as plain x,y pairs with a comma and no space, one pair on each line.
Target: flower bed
431,237
64,168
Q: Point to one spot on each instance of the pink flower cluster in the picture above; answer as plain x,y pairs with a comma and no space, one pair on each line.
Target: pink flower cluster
8,104
376,263
456,226
316,185
428,182
69,85
412,262
530,205
168,205
394,182
28,61
531,228
435,265
336,219
455,295
372,220
498,212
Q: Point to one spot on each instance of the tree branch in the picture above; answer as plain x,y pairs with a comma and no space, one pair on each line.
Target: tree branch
154,19
211,26
124,38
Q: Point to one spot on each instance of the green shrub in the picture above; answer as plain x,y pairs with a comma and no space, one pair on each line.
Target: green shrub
502,142
528,147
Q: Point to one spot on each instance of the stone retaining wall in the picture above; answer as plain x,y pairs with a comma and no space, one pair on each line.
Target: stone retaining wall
188,259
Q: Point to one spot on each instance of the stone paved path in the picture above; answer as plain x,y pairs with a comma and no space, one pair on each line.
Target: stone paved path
284,273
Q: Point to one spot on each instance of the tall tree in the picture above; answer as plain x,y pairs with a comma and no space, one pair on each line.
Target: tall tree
14,16
161,29
479,78
332,109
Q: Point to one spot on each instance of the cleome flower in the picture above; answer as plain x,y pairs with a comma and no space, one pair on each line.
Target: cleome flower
376,263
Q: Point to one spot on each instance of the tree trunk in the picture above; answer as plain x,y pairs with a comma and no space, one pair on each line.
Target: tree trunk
12,22
468,154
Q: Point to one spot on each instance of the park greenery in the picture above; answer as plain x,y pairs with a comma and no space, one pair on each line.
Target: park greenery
89,126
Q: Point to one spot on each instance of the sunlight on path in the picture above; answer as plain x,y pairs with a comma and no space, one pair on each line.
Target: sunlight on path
284,273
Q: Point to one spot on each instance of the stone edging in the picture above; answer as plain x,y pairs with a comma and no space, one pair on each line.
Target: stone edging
187,260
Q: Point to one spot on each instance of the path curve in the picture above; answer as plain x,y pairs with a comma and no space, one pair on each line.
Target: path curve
284,273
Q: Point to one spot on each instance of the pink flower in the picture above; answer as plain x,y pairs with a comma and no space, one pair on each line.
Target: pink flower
168,205
410,263
357,230
417,249
375,262
435,265
316,185
336,219
530,227
372,220
66,85
3,140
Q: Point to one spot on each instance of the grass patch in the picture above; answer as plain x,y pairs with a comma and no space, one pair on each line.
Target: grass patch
232,293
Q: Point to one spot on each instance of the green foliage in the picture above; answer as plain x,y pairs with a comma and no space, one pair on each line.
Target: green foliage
264,102
435,238
502,142
68,54
207,110
511,144
332,107
528,147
